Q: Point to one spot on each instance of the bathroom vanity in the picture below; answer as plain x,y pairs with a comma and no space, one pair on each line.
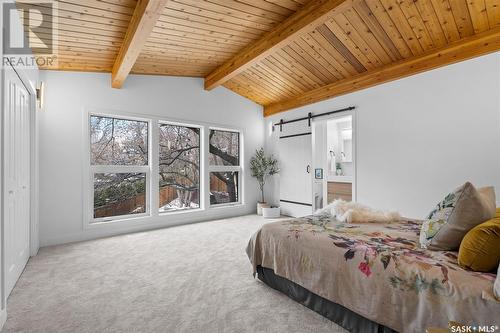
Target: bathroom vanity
339,187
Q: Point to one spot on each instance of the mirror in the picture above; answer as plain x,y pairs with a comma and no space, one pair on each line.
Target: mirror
339,149
346,145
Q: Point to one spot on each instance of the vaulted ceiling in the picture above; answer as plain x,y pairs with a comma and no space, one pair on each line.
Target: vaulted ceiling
279,53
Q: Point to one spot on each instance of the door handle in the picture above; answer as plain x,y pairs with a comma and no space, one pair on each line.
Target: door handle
308,169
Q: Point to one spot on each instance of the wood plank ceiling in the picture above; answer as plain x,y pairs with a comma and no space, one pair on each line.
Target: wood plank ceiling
191,37
372,40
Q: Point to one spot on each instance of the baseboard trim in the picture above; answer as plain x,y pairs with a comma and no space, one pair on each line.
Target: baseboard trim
91,234
3,317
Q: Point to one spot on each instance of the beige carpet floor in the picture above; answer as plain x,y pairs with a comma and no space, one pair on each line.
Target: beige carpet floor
192,278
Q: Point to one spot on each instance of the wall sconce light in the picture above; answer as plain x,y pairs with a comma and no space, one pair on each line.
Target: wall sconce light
40,92
271,128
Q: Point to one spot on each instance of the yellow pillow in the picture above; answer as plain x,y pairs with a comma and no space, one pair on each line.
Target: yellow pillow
480,248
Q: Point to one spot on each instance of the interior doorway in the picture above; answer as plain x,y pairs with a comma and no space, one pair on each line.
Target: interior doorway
334,159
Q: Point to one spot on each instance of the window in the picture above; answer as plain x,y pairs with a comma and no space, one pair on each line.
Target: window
179,167
119,166
116,141
119,194
224,166
147,166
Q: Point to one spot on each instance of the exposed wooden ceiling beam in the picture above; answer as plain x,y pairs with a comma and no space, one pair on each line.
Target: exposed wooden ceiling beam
463,49
146,13
304,20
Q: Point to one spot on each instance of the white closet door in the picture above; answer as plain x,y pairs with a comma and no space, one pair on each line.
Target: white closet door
295,175
17,177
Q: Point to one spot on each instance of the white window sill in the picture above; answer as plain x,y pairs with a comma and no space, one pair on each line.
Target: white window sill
147,219
118,220
226,205
181,212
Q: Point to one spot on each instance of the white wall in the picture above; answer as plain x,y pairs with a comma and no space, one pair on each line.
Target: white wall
422,136
418,137
61,141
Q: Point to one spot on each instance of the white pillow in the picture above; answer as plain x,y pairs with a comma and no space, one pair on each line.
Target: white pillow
496,286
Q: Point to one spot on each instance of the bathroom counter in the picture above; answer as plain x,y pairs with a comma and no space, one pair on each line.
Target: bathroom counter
340,179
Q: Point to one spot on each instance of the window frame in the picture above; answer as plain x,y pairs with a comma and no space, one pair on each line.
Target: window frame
94,169
202,176
227,168
152,216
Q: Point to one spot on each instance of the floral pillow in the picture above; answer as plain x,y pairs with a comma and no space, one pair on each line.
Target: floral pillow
455,215
429,229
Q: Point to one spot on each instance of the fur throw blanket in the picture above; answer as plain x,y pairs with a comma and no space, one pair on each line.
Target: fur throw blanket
352,212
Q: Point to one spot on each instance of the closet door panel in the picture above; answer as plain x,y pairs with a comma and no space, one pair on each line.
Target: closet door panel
17,177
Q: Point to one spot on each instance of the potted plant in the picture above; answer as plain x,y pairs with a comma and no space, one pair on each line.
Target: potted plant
262,167
339,171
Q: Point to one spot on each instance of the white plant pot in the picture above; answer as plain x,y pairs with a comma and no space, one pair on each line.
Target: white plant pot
261,205
271,213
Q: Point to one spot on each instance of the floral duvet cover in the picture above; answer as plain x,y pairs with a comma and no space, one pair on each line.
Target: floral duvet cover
376,270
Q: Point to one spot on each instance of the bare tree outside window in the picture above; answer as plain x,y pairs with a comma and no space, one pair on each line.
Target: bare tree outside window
179,167
118,143
223,187
224,148
120,169
119,194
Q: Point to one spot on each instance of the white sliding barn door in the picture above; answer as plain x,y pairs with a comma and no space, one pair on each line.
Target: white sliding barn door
295,175
17,177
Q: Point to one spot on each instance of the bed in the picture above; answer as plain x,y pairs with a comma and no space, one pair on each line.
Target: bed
370,277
